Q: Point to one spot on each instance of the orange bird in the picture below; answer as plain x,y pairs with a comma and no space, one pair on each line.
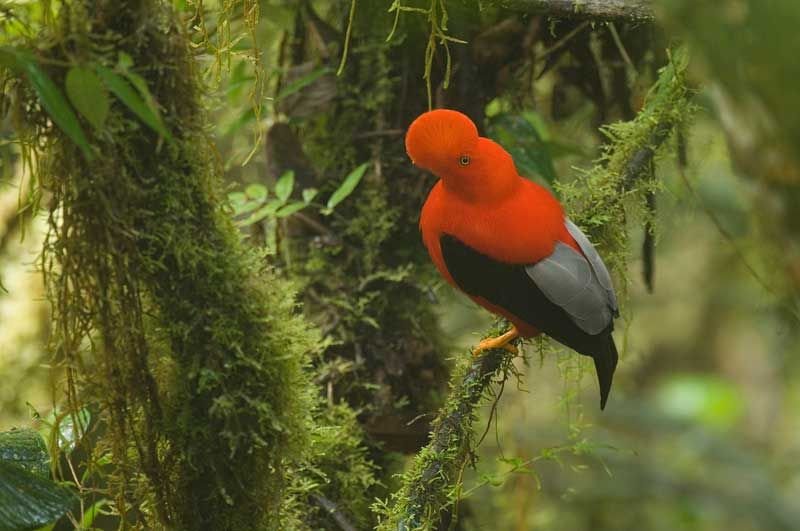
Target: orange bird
505,242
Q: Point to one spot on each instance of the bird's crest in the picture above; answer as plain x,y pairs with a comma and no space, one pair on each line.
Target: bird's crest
438,138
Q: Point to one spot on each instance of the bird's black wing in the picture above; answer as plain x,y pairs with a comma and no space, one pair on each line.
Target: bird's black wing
560,296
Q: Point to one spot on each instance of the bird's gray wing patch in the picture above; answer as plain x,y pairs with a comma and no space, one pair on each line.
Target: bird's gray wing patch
566,278
596,263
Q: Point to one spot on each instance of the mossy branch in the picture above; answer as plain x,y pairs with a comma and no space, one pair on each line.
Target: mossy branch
428,487
642,159
433,482
602,9
597,199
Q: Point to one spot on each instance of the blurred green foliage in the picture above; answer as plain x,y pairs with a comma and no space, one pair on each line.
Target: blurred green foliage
704,399
749,47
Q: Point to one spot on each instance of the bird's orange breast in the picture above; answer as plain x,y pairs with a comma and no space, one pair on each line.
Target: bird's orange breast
521,228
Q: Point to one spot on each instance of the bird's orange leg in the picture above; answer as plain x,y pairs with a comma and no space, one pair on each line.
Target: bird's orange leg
498,342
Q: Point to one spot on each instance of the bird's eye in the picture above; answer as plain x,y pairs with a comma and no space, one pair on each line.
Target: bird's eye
464,160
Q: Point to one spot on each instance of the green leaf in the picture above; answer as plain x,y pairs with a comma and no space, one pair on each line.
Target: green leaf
290,209
28,500
91,513
538,123
28,497
237,198
704,398
65,436
266,211
244,118
124,61
123,90
88,95
527,145
68,433
309,194
25,448
141,86
248,207
284,186
302,82
256,191
371,321
241,204
348,185
52,99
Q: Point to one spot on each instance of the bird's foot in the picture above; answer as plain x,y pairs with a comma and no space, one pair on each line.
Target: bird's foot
502,341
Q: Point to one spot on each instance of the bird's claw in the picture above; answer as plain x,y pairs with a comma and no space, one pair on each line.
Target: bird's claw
479,349
502,342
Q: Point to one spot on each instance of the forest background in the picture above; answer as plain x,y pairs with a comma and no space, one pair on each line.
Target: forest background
216,311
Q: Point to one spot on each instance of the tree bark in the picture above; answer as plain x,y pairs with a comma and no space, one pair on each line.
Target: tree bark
608,9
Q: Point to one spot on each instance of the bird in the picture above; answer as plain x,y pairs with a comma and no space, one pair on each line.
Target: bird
506,242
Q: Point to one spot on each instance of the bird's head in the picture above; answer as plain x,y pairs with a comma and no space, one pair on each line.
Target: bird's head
446,143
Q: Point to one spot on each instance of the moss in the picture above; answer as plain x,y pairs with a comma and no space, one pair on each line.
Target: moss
189,345
433,482
363,289
335,479
597,199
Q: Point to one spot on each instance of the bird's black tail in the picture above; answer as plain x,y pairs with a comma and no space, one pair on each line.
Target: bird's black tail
605,362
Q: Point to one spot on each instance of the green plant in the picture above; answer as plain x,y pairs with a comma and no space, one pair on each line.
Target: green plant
258,203
29,498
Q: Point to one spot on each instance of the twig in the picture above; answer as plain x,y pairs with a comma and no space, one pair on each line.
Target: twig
418,418
641,159
331,508
621,47
603,9
561,42
649,240
493,412
346,48
314,224
726,234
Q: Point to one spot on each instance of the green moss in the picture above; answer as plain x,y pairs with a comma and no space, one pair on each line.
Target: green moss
602,199
433,483
363,287
189,345
337,477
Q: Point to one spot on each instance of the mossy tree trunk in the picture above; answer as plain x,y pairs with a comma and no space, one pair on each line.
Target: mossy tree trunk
175,333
